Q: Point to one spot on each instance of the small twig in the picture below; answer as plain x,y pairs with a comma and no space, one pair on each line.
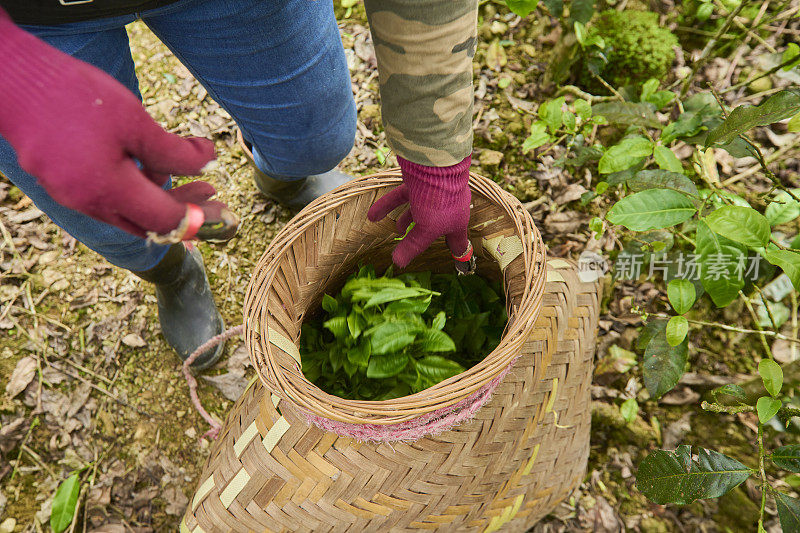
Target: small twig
575,91
750,33
45,317
539,201
107,393
763,475
784,14
686,238
769,311
704,55
34,423
793,299
726,79
609,87
757,324
38,460
736,409
82,368
32,307
10,242
726,327
759,95
553,145
766,161
775,29
689,29
13,299
771,71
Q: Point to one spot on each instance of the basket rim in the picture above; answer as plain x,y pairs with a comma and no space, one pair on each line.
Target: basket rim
308,397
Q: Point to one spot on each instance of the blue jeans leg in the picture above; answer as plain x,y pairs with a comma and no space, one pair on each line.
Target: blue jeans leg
278,67
106,47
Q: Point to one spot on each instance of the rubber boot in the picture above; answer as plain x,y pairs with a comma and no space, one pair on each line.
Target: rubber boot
295,193
186,308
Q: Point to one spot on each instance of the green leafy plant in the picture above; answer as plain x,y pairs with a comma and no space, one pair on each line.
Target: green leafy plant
65,503
668,209
386,337
725,231
579,10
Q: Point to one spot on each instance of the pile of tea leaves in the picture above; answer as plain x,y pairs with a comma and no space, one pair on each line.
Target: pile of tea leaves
390,336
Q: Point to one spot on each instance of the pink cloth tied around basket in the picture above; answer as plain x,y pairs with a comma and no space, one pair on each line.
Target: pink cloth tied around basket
431,423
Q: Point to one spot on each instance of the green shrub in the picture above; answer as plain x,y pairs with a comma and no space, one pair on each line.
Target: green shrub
636,48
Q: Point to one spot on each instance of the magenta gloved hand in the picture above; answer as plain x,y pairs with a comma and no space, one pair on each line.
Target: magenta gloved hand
438,203
80,133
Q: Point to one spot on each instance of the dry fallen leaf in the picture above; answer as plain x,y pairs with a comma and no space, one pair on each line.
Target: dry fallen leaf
603,518
133,340
12,433
176,501
231,384
110,528
573,192
496,57
239,359
564,222
21,376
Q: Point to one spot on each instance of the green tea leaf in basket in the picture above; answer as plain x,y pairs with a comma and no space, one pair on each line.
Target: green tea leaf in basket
359,354
435,368
329,304
392,294
338,326
433,340
439,321
392,336
386,366
675,477
356,323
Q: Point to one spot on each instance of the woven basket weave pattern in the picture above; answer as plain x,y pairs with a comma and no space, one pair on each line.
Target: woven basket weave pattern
503,470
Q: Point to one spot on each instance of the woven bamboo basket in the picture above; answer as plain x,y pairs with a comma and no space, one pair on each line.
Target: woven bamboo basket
494,448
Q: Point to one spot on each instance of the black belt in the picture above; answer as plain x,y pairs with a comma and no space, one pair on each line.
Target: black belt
47,12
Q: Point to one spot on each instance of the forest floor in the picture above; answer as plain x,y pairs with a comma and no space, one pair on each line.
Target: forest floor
106,395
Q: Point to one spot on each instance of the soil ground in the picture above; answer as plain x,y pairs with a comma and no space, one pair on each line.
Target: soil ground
107,396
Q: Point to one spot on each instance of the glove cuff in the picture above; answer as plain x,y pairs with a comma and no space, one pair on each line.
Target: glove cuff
451,178
436,187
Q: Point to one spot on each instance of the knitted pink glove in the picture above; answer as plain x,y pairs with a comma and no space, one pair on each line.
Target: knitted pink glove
80,132
438,202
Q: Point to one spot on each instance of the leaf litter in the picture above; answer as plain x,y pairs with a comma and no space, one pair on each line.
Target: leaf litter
141,464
